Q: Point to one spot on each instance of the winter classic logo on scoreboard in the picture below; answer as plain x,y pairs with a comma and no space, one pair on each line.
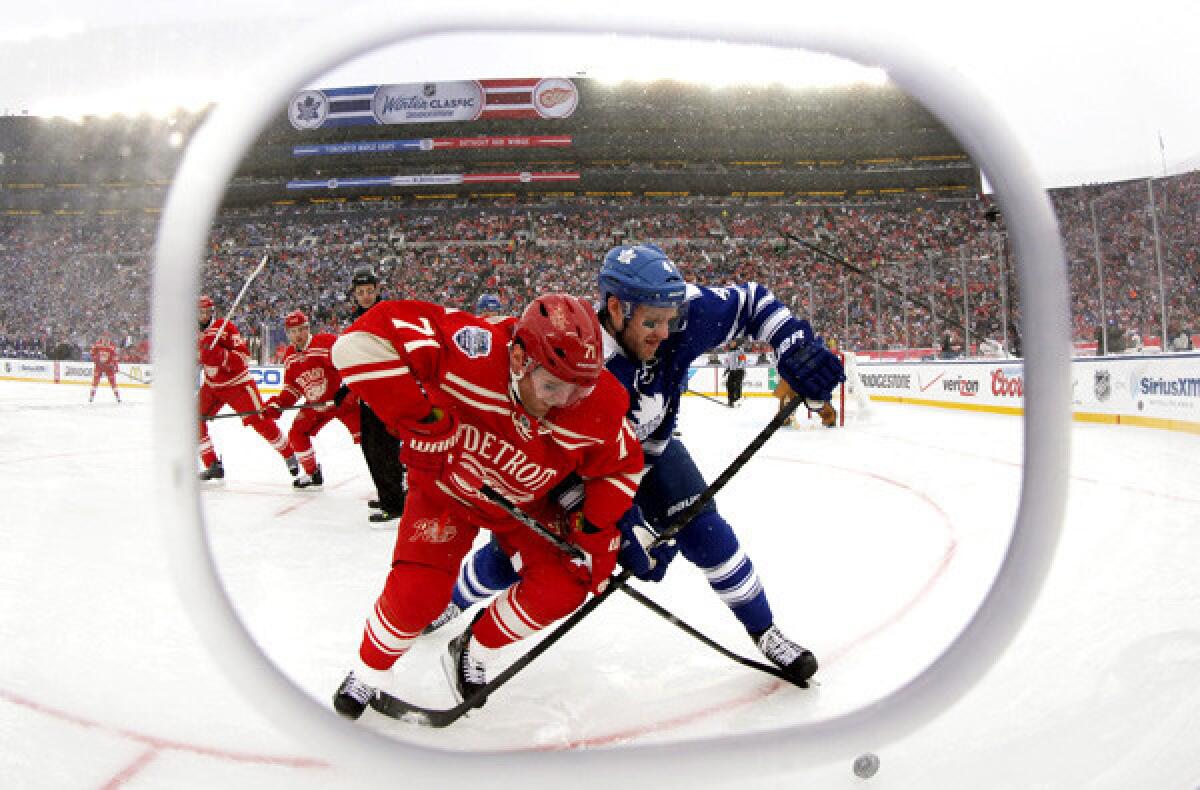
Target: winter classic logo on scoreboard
308,110
555,97
428,102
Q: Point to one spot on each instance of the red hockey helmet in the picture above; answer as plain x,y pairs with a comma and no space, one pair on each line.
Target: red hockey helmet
294,319
562,334
205,302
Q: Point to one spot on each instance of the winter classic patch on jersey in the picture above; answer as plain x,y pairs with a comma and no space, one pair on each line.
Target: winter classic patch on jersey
473,341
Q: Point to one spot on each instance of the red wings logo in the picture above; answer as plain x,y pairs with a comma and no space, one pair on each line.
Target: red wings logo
432,530
552,97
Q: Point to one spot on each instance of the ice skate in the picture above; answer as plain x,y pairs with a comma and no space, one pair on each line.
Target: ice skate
293,465
315,480
351,698
215,471
384,519
798,664
465,672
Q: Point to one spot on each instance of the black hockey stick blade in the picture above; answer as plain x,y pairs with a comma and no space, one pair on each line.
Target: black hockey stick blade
396,708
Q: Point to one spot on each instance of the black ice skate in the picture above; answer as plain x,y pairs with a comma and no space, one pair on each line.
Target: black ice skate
798,664
451,612
466,674
293,465
384,516
214,472
315,480
352,696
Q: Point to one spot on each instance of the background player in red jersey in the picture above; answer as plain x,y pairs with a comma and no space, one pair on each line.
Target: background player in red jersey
227,381
516,406
309,374
104,363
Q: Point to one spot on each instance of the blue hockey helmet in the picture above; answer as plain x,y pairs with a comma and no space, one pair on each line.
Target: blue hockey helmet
488,303
641,274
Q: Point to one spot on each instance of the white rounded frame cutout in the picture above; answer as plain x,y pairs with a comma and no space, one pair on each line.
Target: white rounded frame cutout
210,162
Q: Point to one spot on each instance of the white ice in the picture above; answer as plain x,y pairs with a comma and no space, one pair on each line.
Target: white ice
875,544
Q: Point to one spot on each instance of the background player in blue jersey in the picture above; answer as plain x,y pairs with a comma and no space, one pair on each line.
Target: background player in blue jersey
655,326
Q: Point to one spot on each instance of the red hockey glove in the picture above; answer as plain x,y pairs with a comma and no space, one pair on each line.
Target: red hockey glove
211,357
429,443
271,410
601,546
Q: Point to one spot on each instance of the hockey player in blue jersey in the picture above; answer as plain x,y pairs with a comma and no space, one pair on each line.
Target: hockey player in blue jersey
655,326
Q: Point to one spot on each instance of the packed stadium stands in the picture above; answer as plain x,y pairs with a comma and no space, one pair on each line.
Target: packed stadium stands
68,278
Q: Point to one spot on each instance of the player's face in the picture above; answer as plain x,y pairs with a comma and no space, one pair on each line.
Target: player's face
646,329
540,391
366,295
298,336
205,316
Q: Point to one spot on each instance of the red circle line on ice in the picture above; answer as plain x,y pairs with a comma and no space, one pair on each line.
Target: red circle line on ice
156,745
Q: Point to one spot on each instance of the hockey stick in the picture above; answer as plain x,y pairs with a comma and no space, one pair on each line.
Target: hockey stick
260,411
397,708
690,391
846,264
576,553
237,301
666,614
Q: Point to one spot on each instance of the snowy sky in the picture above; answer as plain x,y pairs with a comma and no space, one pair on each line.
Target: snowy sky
1088,87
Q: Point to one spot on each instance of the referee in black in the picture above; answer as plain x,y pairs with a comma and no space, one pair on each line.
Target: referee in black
380,448
735,374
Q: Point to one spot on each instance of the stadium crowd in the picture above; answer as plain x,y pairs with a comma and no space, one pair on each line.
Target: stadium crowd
68,278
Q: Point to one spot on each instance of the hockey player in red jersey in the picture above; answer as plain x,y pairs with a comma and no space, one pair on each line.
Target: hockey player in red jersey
227,381
309,375
104,363
516,406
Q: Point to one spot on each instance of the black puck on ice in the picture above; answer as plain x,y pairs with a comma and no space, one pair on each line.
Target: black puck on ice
866,765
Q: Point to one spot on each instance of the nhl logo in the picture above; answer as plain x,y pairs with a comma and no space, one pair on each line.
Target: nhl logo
429,89
1102,385
473,341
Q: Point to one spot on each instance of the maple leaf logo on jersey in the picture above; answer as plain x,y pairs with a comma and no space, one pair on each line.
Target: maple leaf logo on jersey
649,414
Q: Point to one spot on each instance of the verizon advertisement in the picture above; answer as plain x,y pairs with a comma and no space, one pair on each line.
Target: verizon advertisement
1153,390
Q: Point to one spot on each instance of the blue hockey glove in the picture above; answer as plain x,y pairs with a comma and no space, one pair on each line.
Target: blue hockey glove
807,366
638,555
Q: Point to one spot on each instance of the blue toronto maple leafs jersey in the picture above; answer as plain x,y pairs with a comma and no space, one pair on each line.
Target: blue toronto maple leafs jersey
714,316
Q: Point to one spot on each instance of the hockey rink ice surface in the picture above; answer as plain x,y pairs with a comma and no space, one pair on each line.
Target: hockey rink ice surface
875,544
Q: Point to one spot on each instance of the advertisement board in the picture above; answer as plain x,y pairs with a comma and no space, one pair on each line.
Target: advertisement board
1158,391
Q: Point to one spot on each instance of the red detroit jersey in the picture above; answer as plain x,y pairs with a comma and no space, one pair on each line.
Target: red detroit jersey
229,363
104,355
402,357
309,374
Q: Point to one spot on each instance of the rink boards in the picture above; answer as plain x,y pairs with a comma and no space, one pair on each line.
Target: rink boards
1151,391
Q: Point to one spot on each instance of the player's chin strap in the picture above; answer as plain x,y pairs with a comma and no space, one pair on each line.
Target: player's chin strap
397,708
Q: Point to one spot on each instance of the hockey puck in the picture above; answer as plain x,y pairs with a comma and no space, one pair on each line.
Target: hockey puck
866,765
